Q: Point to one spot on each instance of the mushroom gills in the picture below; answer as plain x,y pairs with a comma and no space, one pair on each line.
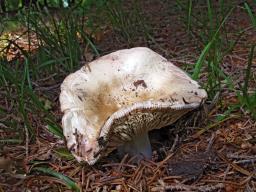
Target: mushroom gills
139,146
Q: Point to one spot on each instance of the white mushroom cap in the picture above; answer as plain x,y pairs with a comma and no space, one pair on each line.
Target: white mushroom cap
122,96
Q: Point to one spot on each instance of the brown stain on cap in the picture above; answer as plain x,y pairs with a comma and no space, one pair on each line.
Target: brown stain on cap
140,82
101,104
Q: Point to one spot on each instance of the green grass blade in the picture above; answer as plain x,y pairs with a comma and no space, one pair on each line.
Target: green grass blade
227,113
206,49
189,14
27,73
86,39
51,62
64,153
200,61
248,71
54,129
22,99
252,17
69,183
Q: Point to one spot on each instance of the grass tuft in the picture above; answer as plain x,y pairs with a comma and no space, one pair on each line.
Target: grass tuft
66,180
248,100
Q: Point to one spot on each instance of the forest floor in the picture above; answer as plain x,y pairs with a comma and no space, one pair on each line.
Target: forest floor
198,153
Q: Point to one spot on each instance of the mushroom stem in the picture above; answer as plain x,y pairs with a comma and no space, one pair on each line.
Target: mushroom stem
140,146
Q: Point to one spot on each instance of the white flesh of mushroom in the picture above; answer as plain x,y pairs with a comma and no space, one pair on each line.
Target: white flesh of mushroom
139,146
118,98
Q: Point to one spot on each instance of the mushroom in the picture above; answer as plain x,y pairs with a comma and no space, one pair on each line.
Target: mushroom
114,101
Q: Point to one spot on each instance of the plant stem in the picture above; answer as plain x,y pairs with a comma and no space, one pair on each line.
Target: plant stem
140,146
